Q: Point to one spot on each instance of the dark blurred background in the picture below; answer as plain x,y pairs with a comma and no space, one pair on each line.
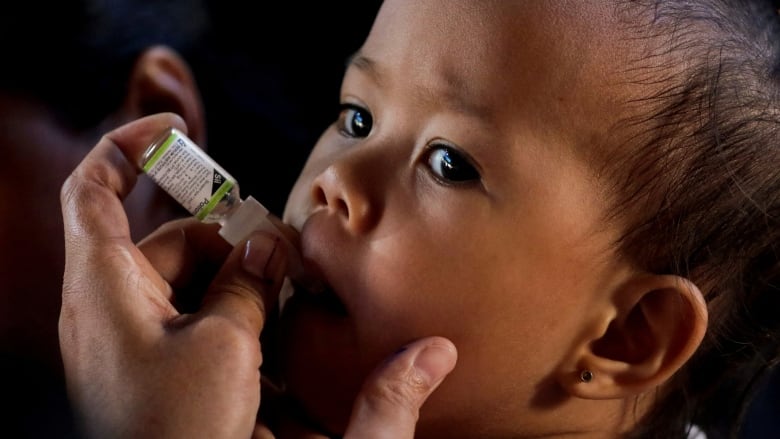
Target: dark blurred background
281,70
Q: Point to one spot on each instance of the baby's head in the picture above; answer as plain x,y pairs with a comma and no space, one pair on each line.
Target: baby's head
557,187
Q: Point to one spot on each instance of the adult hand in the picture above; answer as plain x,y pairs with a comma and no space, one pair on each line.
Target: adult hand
135,365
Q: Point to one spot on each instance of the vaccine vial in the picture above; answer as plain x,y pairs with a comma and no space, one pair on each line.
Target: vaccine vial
191,177
207,191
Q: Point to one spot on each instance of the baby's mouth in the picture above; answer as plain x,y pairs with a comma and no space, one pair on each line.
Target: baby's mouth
320,295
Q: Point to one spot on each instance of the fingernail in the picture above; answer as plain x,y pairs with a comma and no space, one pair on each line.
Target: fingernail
259,255
434,362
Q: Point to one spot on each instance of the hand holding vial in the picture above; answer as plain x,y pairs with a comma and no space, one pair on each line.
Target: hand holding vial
137,366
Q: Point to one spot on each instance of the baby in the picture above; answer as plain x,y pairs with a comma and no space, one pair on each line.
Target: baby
582,197
569,192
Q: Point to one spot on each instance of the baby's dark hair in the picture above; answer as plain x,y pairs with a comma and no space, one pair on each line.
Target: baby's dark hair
700,184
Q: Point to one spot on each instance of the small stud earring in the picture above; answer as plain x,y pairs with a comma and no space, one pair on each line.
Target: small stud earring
586,376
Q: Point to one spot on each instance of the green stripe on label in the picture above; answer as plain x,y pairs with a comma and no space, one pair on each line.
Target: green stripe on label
215,199
160,151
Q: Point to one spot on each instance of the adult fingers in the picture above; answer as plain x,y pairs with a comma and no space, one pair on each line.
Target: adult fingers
181,250
99,254
388,406
91,196
107,283
248,284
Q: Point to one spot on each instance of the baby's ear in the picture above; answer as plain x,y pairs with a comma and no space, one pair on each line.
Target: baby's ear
652,326
161,81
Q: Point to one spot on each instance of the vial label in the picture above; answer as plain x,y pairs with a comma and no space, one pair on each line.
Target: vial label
188,175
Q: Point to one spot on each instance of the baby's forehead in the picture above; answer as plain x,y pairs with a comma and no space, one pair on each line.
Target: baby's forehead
564,66
504,44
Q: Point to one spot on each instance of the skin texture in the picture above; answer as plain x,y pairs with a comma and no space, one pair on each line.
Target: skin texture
515,267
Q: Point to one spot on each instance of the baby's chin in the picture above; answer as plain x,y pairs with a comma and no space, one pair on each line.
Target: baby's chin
320,409
319,369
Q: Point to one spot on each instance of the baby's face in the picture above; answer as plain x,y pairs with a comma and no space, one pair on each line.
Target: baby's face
452,197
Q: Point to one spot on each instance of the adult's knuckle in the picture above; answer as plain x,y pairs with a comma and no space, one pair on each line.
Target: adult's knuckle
402,392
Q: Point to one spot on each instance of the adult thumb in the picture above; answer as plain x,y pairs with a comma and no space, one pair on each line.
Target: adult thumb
388,405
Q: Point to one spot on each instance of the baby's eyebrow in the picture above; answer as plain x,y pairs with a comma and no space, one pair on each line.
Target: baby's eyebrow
456,94
364,64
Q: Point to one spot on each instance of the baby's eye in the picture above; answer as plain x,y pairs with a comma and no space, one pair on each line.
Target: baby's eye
450,165
355,121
